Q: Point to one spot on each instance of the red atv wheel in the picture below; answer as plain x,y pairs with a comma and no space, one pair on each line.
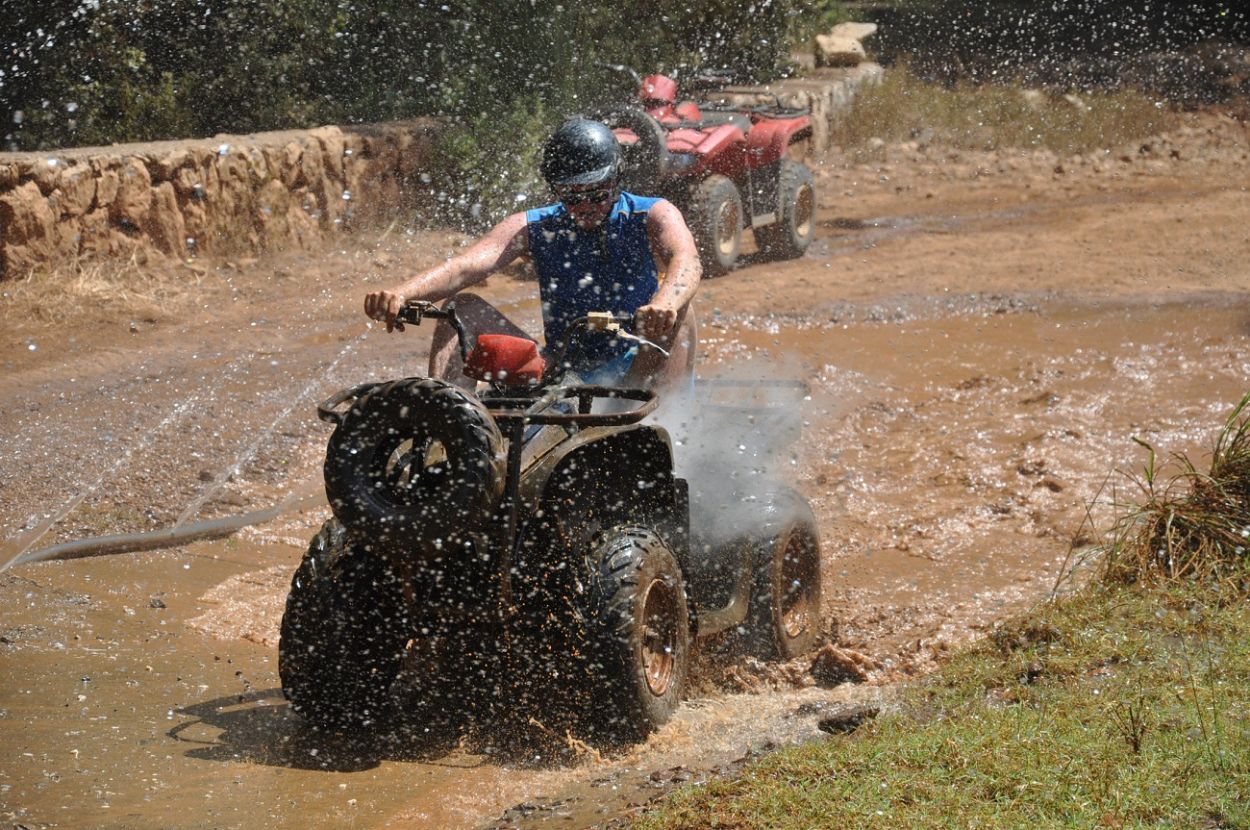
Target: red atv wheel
715,219
795,227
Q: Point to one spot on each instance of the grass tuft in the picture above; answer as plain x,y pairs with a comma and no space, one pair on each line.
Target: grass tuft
1132,712
1190,525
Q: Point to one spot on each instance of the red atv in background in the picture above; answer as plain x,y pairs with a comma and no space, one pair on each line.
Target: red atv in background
725,167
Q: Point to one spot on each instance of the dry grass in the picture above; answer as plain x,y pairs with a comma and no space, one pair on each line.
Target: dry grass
992,117
1189,525
99,289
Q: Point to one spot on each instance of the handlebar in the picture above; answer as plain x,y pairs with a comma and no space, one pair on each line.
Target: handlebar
624,70
687,75
600,321
414,311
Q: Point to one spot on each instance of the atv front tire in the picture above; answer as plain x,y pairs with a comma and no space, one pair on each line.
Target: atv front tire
785,601
641,649
792,233
715,219
343,634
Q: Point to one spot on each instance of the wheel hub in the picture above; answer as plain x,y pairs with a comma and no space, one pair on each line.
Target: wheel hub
804,211
797,580
659,636
727,224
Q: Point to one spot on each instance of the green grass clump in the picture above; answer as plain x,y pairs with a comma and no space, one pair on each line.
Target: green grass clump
994,117
1190,525
1116,708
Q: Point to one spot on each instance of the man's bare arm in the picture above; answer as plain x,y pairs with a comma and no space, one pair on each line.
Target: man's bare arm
668,232
500,247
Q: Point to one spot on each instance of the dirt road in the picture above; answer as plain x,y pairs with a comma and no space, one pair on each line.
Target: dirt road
985,335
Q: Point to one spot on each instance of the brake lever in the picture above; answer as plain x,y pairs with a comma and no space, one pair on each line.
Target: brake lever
414,311
604,321
624,335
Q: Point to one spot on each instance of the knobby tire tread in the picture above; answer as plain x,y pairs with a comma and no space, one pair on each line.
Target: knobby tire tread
342,636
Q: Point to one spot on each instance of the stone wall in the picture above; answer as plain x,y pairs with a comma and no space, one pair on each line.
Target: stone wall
228,194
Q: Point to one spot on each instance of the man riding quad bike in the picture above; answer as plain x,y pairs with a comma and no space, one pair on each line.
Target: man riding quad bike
597,248
538,529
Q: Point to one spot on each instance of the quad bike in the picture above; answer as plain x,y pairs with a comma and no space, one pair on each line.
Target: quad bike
726,167
532,537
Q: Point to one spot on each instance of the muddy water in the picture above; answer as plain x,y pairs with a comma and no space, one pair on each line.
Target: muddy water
949,454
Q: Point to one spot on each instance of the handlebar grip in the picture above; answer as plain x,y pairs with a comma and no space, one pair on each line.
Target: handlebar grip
414,310
606,320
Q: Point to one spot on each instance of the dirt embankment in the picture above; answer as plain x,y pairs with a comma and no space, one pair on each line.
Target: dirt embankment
985,334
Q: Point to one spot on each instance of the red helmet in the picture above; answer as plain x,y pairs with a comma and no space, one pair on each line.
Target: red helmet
660,89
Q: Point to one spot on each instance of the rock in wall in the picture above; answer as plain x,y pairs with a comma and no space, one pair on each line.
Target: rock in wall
228,194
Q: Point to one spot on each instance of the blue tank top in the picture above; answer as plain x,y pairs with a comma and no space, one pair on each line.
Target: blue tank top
610,269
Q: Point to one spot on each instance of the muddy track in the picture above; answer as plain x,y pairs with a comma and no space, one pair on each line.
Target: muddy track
984,339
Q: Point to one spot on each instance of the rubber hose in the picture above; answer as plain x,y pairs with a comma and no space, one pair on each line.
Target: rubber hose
149,540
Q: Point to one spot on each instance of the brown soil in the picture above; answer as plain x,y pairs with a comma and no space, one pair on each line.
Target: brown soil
985,333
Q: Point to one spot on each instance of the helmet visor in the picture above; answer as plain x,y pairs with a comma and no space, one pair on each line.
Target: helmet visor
569,178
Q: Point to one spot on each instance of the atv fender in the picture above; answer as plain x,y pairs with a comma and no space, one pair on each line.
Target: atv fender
722,150
607,476
768,140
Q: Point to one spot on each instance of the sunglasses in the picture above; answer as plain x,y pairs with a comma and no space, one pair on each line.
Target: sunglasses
572,198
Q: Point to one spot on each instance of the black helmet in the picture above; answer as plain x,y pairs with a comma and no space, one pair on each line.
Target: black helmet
581,152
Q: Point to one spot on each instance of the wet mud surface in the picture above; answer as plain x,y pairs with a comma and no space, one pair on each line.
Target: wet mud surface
978,369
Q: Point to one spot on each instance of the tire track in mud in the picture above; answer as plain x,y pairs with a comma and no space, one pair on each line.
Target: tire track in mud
858,235
249,453
117,412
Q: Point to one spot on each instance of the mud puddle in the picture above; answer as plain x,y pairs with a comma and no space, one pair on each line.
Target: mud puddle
949,459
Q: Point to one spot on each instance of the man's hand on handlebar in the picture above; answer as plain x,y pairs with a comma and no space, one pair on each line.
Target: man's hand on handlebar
655,323
385,305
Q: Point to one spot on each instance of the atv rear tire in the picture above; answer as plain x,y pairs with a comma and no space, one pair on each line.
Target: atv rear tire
785,601
792,233
343,634
715,219
415,459
640,650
